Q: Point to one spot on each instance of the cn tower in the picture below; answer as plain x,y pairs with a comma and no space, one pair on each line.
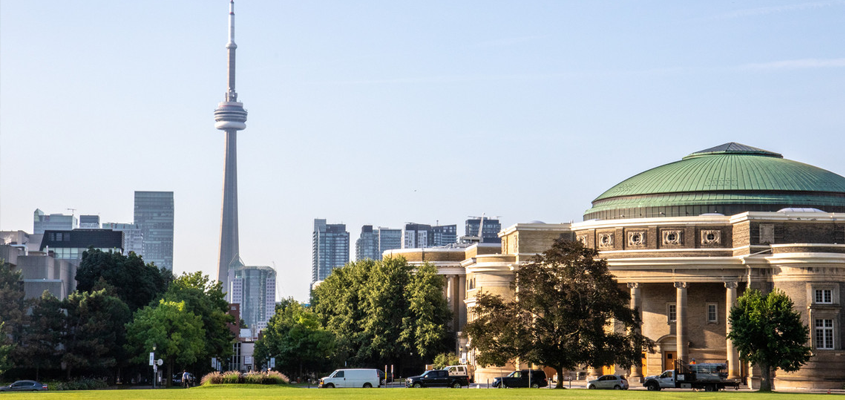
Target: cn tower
230,117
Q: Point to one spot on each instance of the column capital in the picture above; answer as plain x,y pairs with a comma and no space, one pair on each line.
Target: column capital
731,285
633,285
680,285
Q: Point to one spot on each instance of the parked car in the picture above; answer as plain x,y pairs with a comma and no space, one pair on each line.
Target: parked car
520,379
352,378
24,386
435,378
608,382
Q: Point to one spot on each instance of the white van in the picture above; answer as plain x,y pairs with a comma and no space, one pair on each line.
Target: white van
352,378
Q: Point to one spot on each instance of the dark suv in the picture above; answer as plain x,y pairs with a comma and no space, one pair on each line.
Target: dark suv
519,379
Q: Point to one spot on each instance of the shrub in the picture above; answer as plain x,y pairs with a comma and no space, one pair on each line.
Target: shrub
214,378
79,384
232,377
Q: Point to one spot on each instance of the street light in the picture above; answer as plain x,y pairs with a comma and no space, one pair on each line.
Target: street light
153,363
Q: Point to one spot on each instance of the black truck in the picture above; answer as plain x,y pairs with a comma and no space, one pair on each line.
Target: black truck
437,378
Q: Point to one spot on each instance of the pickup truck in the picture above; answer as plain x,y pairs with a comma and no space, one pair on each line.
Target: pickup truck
437,377
708,376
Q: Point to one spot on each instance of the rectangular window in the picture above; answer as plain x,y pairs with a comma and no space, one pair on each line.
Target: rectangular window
824,296
824,334
712,313
672,312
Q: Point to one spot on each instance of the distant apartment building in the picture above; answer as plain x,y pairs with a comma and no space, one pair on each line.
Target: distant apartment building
254,289
39,271
374,242
54,222
421,235
388,239
329,249
133,239
89,221
154,214
489,230
366,247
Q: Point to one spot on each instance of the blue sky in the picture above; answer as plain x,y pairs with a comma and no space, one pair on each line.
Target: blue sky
386,112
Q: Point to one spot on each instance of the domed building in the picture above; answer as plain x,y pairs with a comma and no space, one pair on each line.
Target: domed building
687,238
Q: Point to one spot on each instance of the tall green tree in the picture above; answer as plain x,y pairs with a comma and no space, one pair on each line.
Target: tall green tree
5,352
40,344
176,333
383,311
768,332
567,310
94,333
134,282
12,304
297,340
205,298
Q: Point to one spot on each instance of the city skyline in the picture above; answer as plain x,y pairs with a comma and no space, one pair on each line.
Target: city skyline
577,96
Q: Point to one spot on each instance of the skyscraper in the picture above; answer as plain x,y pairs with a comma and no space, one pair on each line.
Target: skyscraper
254,288
56,222
443,235
133,240
154,214
330,249
489,229
388,239
366,247
230,117
422,236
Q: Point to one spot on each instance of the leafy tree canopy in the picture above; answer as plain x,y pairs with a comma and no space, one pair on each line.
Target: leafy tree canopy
176,333
134,282
381,311
94,332
295,337
205,298
569,311
768,332
12,303
444,360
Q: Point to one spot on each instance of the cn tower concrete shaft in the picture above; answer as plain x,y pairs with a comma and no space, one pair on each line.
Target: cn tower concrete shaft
230,117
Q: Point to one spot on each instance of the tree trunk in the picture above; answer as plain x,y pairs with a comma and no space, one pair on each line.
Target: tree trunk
167,380
765,378
559,384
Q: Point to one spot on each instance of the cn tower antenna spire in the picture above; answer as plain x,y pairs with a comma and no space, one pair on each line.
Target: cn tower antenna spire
231,95
230,117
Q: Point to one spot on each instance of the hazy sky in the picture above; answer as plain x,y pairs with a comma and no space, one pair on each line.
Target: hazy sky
386,112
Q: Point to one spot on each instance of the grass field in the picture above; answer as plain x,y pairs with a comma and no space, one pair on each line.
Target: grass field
231,392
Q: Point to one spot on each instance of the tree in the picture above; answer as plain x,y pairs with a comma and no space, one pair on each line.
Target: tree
768,332
11,313
567,311
444,360
295,337
134,282
41,341
176,333
94,331
382,311
204,298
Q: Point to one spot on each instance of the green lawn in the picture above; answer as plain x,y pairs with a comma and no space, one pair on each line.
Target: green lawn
232,392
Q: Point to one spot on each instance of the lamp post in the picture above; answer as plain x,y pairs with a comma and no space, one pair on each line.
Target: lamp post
153,363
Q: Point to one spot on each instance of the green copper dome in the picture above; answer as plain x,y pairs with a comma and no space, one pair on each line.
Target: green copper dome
726,179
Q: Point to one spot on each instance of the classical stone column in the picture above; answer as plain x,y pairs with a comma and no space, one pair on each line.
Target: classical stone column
731,356
680,321
453,294
636,300
462,294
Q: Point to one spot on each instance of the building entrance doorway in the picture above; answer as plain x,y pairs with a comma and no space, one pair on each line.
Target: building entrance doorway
669,358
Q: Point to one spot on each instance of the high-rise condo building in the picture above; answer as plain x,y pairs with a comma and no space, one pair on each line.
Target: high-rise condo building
490,229
422,236
254,288
154,214
230,117
133,240
329,249
366,247
53,222
388,239
443,235
89,222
